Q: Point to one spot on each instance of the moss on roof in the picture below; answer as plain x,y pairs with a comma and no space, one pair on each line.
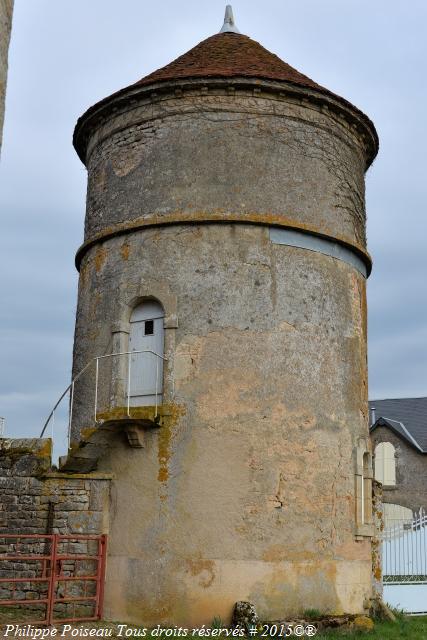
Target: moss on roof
227,55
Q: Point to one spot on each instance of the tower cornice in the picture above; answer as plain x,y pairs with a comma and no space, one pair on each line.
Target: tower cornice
130,98
204,217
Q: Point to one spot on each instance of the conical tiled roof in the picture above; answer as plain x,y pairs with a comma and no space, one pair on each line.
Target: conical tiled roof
224,55
227,55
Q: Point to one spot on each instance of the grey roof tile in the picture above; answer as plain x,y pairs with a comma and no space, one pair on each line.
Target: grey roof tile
405,416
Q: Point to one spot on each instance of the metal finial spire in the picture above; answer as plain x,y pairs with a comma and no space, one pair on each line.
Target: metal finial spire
229,26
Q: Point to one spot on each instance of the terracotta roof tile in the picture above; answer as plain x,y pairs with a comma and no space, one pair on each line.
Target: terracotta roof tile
225,55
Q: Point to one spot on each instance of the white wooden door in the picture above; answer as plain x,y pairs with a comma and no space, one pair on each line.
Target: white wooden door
146,336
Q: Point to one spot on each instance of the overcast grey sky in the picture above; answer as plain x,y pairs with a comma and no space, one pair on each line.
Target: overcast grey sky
66,55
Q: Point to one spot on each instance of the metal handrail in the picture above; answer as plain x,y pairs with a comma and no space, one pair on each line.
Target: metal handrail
96,360
70,386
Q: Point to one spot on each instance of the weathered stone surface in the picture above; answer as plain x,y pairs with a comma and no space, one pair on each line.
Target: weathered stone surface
130,169
247,491
377,576
272,412
363,623
381,611
6,9
245,615
25,457
35,501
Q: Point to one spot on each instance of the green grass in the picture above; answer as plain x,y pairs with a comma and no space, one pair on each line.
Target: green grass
217,623
312,614
410,627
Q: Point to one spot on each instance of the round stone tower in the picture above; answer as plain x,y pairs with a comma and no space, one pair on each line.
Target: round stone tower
225,243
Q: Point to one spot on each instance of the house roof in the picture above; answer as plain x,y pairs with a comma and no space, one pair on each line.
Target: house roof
407,417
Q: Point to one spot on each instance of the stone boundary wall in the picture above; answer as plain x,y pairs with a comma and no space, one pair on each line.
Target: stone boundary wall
35,499
378,518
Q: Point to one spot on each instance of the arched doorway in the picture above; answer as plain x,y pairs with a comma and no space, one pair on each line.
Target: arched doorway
146,339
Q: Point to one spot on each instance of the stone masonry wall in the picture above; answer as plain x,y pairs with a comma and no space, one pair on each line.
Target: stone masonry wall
131,166
248,493
36,500
377,510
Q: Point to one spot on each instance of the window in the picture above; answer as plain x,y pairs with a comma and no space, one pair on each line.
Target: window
363,491
149,328
385,463
367,489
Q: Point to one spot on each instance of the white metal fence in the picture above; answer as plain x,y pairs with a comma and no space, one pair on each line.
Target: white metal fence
404,551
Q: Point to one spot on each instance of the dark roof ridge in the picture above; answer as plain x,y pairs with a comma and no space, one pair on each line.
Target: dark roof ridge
407,415
403,398
410,436
402,434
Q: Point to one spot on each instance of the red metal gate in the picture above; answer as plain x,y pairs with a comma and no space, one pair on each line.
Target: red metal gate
50,579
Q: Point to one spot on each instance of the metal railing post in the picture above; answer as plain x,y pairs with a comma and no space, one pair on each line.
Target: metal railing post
128,389
71,389
71,412
362,493
52,580
102,557
63,396
96,385
157,383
